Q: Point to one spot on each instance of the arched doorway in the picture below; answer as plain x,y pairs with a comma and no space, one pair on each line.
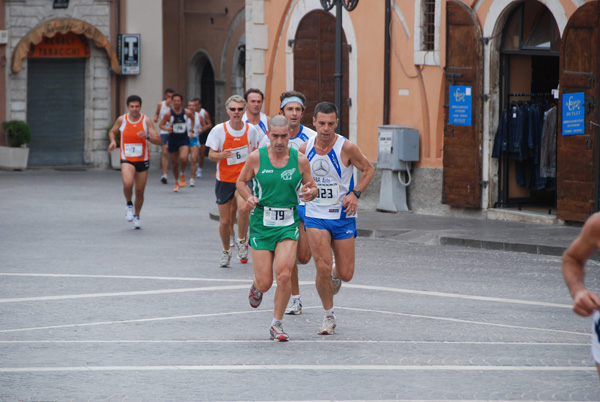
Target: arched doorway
529,72
56,99
314,64
578,159
201,81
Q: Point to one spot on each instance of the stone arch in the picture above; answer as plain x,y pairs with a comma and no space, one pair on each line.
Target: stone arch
199,67
62,25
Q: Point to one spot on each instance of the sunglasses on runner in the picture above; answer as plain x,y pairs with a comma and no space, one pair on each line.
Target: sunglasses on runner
234,109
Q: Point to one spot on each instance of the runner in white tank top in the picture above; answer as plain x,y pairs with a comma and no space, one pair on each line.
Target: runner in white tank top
163,107
331,219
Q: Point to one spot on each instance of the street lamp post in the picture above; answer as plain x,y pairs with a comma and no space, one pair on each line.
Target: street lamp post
349,5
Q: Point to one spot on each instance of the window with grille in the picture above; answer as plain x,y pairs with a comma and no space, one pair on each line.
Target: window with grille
427,32
428,25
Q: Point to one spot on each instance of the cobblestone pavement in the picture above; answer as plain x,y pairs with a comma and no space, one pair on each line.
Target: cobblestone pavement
92,310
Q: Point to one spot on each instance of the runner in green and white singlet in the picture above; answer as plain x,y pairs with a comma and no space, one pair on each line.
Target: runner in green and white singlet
278,173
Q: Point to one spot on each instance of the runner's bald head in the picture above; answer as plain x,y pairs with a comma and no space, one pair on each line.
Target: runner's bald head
279,121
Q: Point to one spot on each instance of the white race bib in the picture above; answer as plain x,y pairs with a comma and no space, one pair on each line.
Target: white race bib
134,150
239,155
278,217
179,128
328,194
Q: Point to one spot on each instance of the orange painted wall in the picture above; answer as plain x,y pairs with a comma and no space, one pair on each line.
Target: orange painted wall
416,92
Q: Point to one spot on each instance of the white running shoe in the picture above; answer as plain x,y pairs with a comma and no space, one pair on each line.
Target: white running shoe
232,239
295,306
129,213
163,179
137,223
192,183
225,259
277,333
198,173
337,282
328,326
242,247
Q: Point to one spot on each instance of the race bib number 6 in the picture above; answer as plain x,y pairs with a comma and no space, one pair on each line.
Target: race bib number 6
239,155
278,217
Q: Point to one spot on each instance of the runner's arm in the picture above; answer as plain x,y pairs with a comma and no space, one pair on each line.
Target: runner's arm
112,134
573,267
163,122
208,121
247,173
192,118
153,135
157,114
360,161
309,189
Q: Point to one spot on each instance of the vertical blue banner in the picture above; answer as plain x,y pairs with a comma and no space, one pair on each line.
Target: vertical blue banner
573,113
461,104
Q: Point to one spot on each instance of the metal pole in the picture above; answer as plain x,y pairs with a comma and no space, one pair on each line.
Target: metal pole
338,74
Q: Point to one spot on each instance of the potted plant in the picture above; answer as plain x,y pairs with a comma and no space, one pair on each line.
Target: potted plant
16,155
115,154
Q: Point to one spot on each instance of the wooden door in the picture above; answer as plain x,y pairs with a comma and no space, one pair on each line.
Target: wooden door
577,181
463,144
314,64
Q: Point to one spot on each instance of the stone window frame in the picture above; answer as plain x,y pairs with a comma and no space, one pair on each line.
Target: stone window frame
421,55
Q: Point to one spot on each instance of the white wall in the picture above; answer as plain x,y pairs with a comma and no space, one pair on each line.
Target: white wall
145,17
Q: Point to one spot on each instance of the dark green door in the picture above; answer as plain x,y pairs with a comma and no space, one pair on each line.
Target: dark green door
55,111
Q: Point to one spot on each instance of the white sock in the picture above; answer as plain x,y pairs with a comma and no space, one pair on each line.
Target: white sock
329,312
295,297
241,240
274,321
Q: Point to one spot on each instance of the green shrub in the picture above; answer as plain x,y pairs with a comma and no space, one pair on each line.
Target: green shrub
17,133
117,136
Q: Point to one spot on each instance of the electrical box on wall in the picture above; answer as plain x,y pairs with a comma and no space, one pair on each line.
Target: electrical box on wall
397,145
3,37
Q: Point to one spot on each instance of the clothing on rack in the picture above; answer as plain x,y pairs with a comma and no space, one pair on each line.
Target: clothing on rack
520,137
548,151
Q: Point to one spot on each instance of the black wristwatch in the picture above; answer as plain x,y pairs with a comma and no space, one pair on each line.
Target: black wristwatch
357,193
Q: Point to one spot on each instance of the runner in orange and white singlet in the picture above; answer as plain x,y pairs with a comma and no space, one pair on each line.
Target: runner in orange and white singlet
229,145
136,130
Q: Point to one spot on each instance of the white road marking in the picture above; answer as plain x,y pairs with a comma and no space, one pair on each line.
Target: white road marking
462,321
153,278
346,285
247,341
295,367
457,295
120,294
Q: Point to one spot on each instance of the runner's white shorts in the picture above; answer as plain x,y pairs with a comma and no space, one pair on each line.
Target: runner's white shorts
596,337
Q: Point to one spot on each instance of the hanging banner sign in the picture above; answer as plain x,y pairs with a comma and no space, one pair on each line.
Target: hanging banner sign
128,49
69,45
573,113
461,105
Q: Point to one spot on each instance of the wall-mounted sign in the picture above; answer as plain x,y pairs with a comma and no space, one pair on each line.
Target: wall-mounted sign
573,113
128,50
60,4
461,105
69,45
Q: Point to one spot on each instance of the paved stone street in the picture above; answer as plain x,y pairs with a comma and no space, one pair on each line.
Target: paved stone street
94,310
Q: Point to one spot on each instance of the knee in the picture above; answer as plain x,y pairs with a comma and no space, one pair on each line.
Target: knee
346,273
263,285
283,277
224,221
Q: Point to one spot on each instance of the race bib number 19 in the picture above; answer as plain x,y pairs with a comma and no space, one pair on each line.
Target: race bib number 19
278,217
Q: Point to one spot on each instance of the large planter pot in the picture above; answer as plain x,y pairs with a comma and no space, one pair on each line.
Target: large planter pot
14,158
115,158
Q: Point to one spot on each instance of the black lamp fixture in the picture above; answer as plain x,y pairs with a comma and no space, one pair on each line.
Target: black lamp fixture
349,5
